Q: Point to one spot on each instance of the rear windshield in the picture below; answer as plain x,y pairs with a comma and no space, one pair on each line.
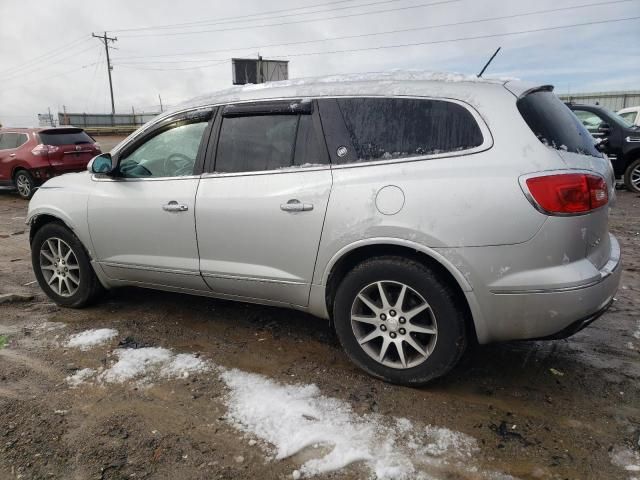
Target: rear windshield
555,125
73,137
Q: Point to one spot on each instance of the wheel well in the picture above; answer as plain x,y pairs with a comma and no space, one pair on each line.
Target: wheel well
16,170
40,221
345,264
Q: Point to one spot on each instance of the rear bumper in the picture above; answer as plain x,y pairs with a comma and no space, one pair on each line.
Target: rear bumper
551,313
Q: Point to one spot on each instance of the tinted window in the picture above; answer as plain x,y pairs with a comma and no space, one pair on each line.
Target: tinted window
171,153
64,137
255,143
554,124
386,128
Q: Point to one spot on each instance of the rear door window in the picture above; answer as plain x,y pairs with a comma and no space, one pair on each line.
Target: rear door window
64,137
256,143
554,123
390,128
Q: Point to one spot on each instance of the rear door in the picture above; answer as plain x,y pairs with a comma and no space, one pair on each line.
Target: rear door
69,149
260,209
10,144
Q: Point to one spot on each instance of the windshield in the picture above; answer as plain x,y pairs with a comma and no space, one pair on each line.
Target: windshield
555,125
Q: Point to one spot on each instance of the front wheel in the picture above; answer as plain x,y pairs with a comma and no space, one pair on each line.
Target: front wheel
25,184
632,177
398,321
62,267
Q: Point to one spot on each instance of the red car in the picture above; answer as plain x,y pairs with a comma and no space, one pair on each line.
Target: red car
30,156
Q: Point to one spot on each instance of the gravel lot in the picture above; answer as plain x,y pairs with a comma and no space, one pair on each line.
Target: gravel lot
565,409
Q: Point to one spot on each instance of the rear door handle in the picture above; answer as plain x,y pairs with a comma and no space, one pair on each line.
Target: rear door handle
12,154
174,206
295,205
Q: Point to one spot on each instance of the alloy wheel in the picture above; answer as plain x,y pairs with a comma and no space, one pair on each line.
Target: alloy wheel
59,266
23,184
394,324
635,177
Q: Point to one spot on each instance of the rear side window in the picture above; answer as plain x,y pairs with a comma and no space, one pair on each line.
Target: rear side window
64,137
256,143
555,125
388,128
12,140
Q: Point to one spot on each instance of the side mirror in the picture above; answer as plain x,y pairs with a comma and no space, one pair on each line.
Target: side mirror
604,128
101,164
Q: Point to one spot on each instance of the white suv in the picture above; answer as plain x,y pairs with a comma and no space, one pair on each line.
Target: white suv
417,212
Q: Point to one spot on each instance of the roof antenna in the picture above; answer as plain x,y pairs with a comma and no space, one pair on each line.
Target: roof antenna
490,60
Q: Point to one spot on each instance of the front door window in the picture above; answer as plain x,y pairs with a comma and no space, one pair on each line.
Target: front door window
171,153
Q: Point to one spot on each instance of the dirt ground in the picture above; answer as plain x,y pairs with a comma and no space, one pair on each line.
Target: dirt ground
538,410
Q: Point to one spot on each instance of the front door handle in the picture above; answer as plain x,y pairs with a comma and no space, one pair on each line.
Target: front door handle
174,206
295,205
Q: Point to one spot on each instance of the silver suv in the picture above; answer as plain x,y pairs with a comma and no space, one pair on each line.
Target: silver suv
419,213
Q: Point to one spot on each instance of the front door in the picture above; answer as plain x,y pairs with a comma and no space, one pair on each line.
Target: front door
141,220
259,213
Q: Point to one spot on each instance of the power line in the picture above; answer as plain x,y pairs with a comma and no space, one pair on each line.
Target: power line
432,42
39,57
37,68
460,39
349,15
241,18
363,35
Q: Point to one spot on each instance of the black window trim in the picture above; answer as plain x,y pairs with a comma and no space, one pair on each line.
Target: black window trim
344,139
196,115
264,107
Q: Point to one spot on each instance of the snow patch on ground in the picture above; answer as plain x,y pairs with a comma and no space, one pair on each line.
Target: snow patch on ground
144,364
296,417
90,338
80,377
627,459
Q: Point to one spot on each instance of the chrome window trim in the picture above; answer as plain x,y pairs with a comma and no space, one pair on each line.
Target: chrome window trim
101,177
487,138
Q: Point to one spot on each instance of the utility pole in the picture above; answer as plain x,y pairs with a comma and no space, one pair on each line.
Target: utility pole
64,116
104,39
160,98
260,76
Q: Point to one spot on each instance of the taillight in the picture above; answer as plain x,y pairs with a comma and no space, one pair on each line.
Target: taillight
568,193
43,150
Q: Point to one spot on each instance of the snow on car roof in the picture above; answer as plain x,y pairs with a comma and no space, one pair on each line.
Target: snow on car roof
397,82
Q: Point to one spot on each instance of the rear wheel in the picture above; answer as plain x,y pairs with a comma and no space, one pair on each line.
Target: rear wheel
62,267
25,184
398,321
632,176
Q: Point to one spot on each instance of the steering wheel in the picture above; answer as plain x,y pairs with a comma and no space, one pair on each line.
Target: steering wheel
178,165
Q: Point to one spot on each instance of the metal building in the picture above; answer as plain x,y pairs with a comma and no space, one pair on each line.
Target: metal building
612,100
105,122
251,70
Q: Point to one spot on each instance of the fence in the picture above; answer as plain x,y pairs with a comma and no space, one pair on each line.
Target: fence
612,100
106,122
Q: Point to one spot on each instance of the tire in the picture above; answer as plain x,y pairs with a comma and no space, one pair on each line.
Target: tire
440,350
632,176
79,285
25,184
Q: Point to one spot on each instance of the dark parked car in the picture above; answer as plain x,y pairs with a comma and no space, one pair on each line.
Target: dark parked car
620,140
30,156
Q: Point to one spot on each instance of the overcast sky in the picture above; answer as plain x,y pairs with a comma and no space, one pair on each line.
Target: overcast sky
49,59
